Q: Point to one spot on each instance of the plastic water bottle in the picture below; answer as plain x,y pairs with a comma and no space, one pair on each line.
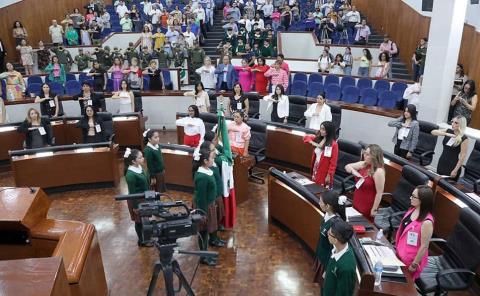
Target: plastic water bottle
379,236
378,269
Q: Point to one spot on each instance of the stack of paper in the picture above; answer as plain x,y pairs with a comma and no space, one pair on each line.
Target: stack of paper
391,264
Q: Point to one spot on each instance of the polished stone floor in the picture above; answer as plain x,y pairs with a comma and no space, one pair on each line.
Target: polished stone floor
260,258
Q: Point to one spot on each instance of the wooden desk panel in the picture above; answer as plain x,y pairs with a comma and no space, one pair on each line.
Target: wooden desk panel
240,176
178,167
66,168
35,276
284,145
393,172
129,131
10,139
446,212
294,211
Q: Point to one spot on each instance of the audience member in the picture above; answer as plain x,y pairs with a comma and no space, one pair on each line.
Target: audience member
370,181
416,229
455,146
49,105
279,104
318,113
325,155
100,77
365,63
277,75
91,126
156,76
56,71
19,33
406,133
193,127
200,98
412,93
239,134
245,77
226,75
418,59
125,97
465,102
88,98
363,32
15,85
37,129
207,74
238,101
56,32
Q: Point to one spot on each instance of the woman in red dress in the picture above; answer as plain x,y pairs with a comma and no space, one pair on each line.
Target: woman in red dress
260,80
325,155
370,181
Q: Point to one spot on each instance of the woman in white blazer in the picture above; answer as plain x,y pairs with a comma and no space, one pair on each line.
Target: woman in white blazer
279,103
318,112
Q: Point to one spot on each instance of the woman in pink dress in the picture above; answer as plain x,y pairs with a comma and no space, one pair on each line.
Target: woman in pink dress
117,73
245,76
370,181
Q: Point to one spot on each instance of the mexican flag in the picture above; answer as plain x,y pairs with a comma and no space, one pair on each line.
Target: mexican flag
227,172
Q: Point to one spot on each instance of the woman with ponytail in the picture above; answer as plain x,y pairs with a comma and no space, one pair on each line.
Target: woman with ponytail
334,208
155,164
455,146
204,195
325,155
137,182
193,127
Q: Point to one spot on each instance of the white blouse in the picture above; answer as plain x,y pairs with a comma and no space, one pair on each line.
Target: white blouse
207,76
192,126
317,119
125,102
283,106
202,101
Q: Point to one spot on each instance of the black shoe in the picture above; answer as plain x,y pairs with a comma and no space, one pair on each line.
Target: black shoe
216,243
146,244
208,261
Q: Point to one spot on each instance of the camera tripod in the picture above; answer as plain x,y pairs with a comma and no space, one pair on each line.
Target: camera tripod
170,266
344,36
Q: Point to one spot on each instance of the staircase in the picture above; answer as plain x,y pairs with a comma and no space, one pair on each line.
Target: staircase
214,36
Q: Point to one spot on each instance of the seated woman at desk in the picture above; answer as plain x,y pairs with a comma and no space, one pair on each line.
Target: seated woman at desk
200,97
278,102
91,126
325,155
37,130
370,181
125,97
318,112
340,273
415,232
193,127
334,208
48,102
87,98
238,101
455,146
239,134
406,133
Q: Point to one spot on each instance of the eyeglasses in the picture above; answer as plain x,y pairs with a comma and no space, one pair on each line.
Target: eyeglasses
413,196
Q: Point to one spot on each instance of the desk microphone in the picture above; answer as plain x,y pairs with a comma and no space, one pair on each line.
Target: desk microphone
32,190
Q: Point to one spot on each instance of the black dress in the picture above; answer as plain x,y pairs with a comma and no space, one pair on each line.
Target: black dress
94,102
237,105
98,80
274,115
155,79
48,107
98,136
33,137
449,158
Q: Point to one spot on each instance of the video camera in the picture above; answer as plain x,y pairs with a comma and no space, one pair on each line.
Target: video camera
167,221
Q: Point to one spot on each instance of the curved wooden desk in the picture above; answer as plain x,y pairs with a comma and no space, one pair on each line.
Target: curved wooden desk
23,211
304,218
65,168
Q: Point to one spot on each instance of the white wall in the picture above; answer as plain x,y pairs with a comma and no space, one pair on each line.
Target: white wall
472,18
121,40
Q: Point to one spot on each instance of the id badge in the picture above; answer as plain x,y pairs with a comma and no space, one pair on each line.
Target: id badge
451,142
89,103
404,132
98,128
42,131
51,103
238,137
239,106
359,183
412,238
328,151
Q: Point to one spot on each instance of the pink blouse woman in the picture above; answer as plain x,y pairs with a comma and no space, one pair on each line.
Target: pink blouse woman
277,75
245,77
117,73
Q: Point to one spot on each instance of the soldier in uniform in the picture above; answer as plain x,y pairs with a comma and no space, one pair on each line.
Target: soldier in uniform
99,54
117,54
108,62
196,56
64,57
164,58
145,57
178,56
130,53
82,60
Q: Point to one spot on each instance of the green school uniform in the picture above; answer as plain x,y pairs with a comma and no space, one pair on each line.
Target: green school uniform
205,188
154,158
137,181
324,248
340,276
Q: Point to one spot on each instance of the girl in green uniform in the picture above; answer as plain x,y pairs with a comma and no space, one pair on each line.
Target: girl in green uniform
214,240
334,208
340,273
204,195
154,158
137,181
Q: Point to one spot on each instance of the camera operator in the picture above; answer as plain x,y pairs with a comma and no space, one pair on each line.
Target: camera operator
138,182
327,26
204,196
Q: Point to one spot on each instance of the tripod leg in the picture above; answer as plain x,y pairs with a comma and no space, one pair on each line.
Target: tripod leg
153,282
168,277
181,279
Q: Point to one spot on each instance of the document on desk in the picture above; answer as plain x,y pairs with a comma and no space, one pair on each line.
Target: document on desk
391,264
350,212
